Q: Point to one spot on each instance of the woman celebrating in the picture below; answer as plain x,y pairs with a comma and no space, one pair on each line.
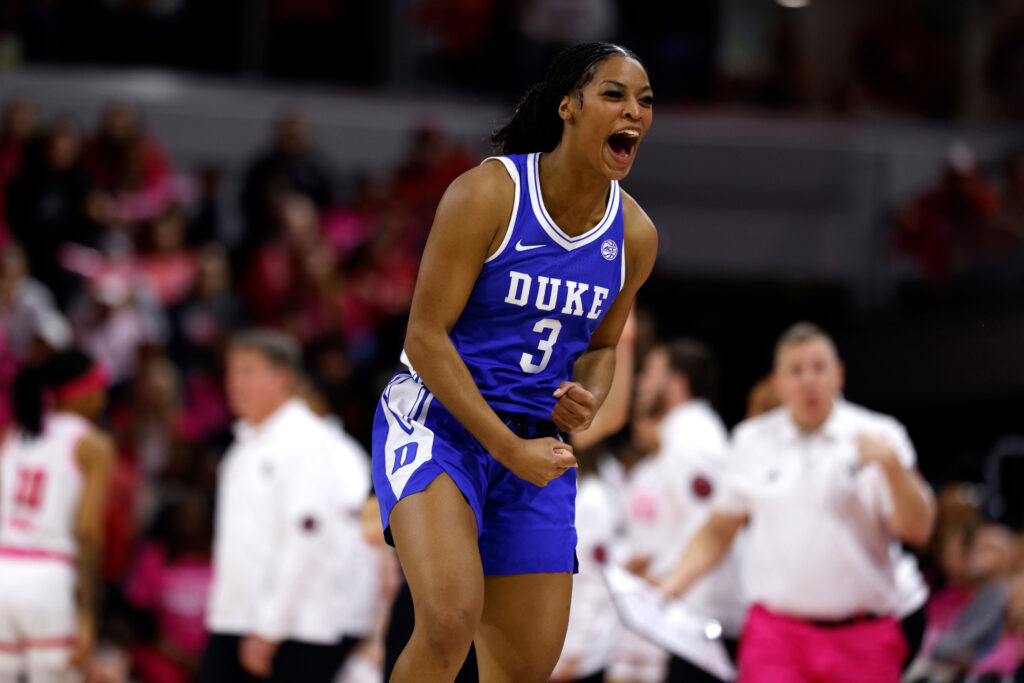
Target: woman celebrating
526,280
54,472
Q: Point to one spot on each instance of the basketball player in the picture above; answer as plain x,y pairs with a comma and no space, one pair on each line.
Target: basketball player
824,487
54,471
525,284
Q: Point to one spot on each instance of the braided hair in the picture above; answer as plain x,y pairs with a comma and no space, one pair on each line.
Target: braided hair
535,125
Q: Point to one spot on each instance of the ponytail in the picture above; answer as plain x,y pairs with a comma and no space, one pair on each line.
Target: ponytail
27,395
535,125
33,382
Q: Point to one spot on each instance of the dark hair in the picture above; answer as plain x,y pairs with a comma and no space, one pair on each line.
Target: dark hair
535,125
279,348
695,360
31,381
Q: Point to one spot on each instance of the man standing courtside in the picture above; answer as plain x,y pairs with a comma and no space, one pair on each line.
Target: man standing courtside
271,613
824,487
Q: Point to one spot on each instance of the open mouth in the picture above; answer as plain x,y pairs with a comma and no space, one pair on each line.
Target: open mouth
623,143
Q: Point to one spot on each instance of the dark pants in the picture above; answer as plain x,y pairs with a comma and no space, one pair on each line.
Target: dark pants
295,662
681,671
913,630
400,630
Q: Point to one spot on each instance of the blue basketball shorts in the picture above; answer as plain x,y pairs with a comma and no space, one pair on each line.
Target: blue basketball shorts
521,528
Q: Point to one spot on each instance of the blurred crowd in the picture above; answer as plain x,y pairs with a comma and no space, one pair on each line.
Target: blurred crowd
909,57
105,245
964,236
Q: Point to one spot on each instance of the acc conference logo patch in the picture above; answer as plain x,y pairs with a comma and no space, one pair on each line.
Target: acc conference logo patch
609,250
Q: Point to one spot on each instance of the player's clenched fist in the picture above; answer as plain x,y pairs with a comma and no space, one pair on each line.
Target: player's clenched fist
538,461
575,408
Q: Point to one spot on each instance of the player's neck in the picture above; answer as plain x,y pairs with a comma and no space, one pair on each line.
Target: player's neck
573,192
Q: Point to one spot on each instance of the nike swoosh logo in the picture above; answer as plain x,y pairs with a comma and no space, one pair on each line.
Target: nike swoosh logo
527,247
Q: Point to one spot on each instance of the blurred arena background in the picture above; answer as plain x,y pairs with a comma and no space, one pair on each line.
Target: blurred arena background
176,169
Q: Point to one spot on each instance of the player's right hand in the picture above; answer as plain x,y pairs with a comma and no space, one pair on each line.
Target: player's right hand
538,461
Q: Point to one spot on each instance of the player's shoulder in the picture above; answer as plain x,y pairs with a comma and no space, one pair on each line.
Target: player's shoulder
863,418
764,426
488,181
97,446
638,226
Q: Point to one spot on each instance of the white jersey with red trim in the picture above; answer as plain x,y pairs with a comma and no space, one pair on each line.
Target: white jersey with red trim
40,489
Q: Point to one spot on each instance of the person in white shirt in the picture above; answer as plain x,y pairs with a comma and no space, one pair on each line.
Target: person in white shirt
824,487
678,381
55,470
274,608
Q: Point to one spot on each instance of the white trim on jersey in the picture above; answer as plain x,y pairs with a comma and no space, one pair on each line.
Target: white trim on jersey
622,255
510,166
548,225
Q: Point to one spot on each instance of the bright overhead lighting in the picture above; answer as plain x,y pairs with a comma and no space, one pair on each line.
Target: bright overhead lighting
794,3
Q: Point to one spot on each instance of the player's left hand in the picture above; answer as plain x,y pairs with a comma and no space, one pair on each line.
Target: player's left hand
257,655
875,449
575,408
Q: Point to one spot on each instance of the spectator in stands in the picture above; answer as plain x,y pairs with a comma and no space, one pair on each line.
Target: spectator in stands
1010,215
171,583
17,126
949,227
761,398
114,321
273,280
129,165
201,323
290,165
430,165
902,62
1004,68
978,642
147,423
165,265
28,311
51,202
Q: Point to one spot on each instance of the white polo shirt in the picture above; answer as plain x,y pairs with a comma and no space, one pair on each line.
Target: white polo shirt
692,465
818,544
282,507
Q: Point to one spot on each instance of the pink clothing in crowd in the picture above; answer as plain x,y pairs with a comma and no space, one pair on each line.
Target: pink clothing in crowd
176,592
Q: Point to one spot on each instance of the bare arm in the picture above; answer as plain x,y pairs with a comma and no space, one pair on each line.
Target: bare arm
913,507
96,457
614,412
703,553
580,399
472,213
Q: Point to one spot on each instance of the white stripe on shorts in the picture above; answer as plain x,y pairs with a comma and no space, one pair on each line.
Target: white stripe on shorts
409,444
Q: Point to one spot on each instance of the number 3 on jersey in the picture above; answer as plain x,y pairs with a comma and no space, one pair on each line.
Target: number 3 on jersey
552,327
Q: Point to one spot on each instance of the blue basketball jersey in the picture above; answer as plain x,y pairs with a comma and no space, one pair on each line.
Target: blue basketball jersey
538,298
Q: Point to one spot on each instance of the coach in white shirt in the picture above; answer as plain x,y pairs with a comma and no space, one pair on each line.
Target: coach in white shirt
825,486
274,610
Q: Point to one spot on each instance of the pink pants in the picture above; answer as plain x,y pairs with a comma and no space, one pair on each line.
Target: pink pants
780,649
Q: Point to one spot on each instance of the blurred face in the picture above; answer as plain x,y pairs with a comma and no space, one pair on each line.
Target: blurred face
62,149
652,381
992,553
255,387
807,379
613,117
